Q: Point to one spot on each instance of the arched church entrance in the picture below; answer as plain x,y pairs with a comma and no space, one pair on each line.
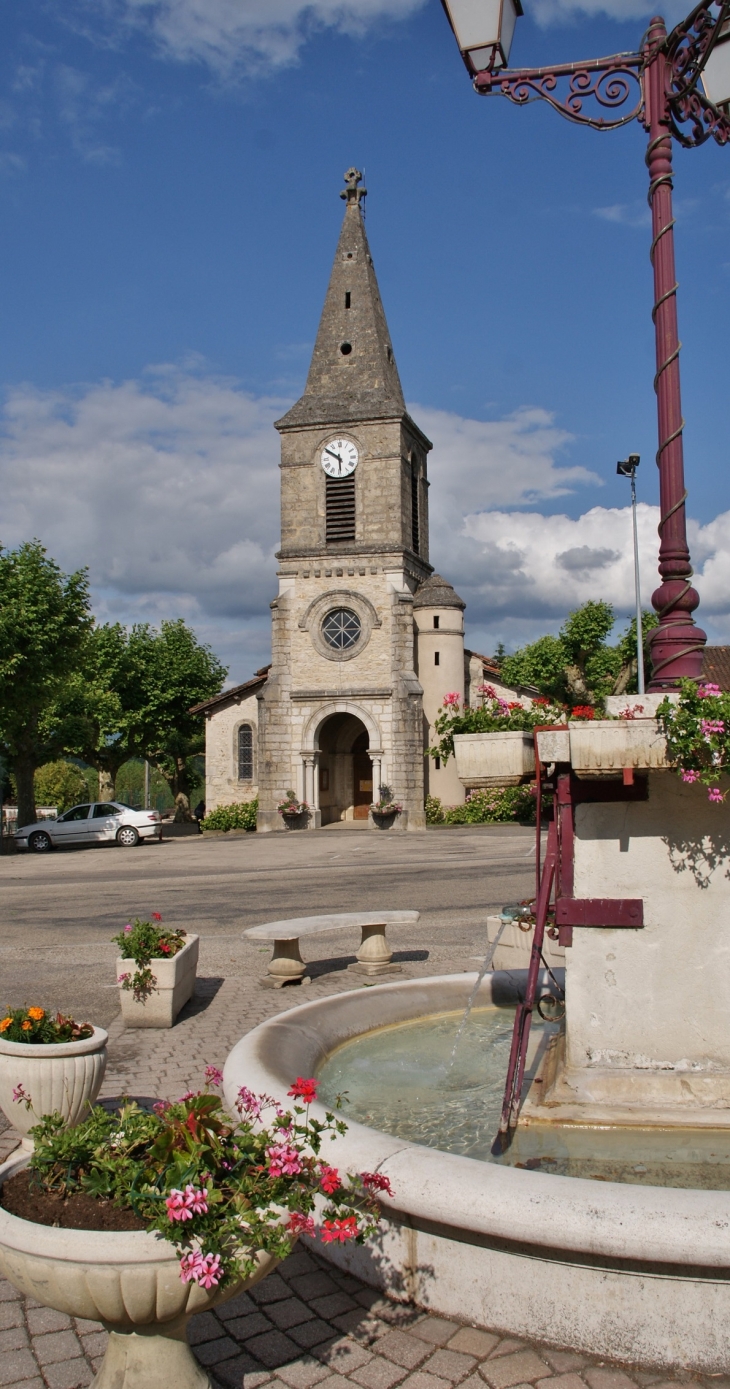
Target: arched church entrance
345,769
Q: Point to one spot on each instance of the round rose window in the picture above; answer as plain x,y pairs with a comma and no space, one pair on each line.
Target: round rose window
341,629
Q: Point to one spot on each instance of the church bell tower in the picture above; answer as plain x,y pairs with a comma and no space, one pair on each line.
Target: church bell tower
341,712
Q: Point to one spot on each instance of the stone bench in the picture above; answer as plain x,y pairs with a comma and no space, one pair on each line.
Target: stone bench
286,965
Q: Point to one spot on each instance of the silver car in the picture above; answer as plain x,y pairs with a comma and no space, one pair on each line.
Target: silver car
100,822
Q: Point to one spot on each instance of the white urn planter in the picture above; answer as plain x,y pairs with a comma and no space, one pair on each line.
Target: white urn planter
128,1281
56,1076
494,759
175,983
604,746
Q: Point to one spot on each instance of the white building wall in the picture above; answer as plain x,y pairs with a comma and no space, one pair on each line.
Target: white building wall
440,630
222,786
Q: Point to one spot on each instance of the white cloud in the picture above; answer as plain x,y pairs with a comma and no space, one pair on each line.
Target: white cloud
635,214
168,488
231,36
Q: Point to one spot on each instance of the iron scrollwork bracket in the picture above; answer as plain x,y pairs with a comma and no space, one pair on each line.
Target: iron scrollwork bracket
687,48
609,82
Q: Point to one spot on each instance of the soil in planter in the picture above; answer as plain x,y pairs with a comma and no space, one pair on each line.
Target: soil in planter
75,1212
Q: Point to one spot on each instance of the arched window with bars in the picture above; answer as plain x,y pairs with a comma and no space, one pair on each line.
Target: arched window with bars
245,752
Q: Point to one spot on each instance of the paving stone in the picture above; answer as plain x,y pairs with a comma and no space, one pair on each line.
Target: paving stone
332,1306
686,1384
421,1381
404,1349
15,1338
570,1381
273,1349
437,1330
472,1341
271,1289
303,1373
212,1352
342,1355
244,1327
337,1382
237,1307
361,1325
510,1370
204,1327
379,1373
56,1346
311,1285
565,1361
311,1333
236,1373
289,1313
95,1344
27,1384
42,1319
642,1377
297,1263
607,1377
507,1347
7,1292
68,1374
449,1364
83,1326
11,1314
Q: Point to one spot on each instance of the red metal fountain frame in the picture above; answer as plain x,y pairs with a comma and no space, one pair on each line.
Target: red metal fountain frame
662,81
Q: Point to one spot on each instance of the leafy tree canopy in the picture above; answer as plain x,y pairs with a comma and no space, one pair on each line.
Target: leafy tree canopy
579,666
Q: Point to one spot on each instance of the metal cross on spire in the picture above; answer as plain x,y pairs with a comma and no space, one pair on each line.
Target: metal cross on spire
353,194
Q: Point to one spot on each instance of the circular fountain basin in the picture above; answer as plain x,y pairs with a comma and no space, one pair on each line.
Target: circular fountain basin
640,1273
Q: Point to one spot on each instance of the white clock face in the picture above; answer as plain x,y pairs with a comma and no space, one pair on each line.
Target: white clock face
339,458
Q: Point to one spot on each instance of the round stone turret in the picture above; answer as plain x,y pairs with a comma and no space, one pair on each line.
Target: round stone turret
438,612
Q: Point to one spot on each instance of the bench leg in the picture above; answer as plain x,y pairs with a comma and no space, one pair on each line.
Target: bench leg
375,955
286,965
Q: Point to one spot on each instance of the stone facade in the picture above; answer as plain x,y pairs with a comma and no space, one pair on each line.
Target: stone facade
338,721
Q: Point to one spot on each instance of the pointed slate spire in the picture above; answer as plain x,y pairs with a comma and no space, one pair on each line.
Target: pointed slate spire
352,375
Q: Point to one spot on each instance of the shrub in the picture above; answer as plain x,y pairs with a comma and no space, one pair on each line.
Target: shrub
60,784
697,730
434,811
241,816
494,806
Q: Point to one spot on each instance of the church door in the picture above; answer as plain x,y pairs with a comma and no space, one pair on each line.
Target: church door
363,776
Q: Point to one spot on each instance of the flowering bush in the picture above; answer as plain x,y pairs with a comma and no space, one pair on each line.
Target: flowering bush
494,806
291,806
219,1189
143,941
241,816
37,1025
697,730
494,715
385,804
582,711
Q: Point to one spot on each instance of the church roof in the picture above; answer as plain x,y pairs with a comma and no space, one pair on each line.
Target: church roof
436,592
716,665
352,375
235,693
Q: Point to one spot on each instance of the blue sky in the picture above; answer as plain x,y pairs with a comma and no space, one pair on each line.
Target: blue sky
169,178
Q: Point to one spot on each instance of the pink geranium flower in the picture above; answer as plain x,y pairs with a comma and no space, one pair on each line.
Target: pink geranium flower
177,1206
689,775
339,1230
213,1075
189,1265
708,690
452,700
300,1224
208,1271
329,1179
710,726
715,794
284,1160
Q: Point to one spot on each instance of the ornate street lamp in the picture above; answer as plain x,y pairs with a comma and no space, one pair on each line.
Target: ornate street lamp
678,86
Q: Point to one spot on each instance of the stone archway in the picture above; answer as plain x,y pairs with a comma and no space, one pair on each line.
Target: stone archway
344,763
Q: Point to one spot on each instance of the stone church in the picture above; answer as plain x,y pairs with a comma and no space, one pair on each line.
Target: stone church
366,638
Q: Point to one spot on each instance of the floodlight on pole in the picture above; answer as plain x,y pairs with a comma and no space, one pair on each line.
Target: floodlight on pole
628,469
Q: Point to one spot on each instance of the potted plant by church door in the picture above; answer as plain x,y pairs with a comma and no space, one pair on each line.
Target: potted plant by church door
385,810
294,813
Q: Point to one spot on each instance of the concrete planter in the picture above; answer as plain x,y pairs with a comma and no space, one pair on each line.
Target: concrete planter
494,759
63,1076
175,984
635,1273
130,1282
384,819
297,821
605,746
553,745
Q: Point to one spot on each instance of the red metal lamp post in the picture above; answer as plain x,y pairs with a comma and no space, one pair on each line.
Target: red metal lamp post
662,81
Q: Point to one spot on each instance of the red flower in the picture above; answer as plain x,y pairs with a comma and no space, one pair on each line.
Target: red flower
583,711
156,916
329,1179
375,1181
303,1090
342,1230
540,699
300,1224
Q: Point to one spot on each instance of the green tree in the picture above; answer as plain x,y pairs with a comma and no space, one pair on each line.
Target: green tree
60,783
98,705
44,619
578,666
541,664
170,672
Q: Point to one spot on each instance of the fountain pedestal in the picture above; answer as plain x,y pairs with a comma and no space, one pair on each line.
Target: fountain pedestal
647,1036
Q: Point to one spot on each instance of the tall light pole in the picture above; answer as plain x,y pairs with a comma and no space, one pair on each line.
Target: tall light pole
628,469
660,84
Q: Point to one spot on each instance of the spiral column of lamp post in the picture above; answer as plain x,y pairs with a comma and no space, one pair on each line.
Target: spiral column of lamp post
676,644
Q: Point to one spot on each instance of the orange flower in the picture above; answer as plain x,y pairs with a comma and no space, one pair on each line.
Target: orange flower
4,1025
36,1014
26,1026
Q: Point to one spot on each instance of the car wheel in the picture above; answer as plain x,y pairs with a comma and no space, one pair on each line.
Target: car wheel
127,836
40,842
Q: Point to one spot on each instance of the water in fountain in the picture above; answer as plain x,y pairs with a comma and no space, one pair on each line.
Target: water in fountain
399,1079
507,917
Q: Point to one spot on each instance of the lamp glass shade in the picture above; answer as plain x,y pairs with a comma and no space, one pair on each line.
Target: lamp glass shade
716,72
481,27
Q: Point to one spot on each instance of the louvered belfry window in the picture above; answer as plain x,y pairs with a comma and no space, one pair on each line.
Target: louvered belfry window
340,509
414,509
245,752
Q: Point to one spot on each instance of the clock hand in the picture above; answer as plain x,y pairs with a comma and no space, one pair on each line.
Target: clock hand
333,454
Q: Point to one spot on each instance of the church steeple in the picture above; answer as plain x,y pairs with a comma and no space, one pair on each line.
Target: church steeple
352,375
